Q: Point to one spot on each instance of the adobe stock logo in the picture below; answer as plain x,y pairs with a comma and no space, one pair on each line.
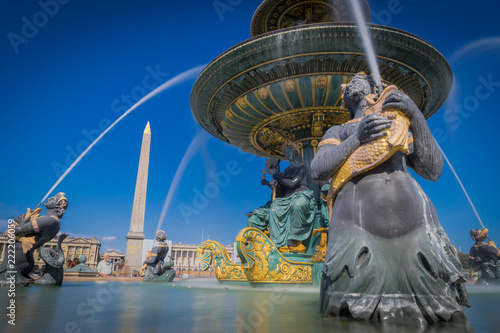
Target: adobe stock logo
40,19
222,6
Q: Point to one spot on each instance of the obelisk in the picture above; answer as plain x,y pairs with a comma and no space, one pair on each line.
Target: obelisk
135,235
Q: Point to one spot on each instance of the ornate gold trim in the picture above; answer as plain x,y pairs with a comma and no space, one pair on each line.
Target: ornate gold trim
263,263
213,253
308,74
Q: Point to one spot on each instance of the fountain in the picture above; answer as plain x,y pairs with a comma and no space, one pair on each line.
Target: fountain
284,84
285,87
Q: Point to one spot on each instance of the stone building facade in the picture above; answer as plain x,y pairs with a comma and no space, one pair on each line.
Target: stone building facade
72,247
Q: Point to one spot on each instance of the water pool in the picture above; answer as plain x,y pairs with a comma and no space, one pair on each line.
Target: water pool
204,306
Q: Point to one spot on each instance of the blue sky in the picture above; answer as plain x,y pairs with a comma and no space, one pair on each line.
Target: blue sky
75,72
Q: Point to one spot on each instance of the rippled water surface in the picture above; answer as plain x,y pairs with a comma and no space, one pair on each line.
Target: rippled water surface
204,306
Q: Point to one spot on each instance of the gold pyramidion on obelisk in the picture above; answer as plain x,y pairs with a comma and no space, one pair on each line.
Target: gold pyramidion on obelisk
135,235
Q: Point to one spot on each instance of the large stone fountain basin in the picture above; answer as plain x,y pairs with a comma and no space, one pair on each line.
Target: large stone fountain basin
287,84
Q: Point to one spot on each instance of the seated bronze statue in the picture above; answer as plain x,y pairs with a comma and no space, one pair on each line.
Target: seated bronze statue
291,215
259,218
388,258
158,266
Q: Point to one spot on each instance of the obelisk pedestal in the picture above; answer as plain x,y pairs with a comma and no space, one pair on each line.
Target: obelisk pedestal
135,235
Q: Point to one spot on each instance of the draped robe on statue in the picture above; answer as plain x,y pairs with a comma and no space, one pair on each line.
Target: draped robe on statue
291,217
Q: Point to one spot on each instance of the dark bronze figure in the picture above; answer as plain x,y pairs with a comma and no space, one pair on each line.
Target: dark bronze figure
291,216
484,257
32,232
158,267
388,258
259,218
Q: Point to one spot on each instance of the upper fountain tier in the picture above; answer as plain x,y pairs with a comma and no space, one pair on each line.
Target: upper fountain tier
285,84
280,14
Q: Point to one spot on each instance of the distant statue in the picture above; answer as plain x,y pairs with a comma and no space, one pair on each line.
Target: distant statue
259,218
157,267
388,258
31,232
291,216
81,267
484,257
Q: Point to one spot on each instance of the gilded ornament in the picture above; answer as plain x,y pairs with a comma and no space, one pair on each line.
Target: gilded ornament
242,103
271,139
290,85
213,253
318,9
317,124
262,262
229,114
297,11
337,118
290,121
262,92
321,81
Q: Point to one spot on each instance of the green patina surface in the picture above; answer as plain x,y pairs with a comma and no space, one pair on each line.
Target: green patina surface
226,102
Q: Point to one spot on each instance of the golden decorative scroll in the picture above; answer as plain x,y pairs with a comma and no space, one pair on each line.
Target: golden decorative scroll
263,262
213,253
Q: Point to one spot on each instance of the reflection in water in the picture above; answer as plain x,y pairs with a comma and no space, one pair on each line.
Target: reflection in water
30,302
150,307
